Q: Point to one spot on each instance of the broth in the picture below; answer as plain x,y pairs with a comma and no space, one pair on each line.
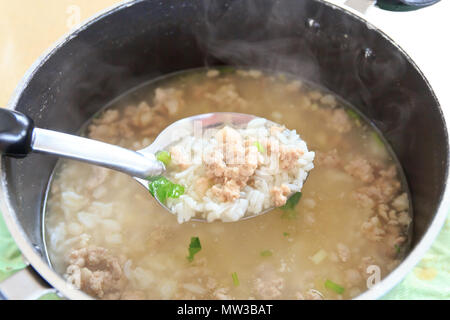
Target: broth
111,238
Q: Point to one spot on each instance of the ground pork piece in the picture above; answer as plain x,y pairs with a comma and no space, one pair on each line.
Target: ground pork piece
274,130
373,229
403,218
227,192
389,173
227,95
169,98
179,157
142,116
215,166
343,252
328,159
361,169
383,211
394,239
102,132
108,117
381,190
228,135
363,200
201,185
230,164
97,177
268,289
289,157
401,202
338,120
125,128
279,195
95,271
267,284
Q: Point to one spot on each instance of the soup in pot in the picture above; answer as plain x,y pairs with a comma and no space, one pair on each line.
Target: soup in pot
348,228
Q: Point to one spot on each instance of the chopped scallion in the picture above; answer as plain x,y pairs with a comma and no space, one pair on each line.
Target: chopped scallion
266,253
162,188
259,146
235,278
164,157
194,248
292,201
334,286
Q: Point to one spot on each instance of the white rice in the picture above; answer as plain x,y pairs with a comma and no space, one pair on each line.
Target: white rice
254,198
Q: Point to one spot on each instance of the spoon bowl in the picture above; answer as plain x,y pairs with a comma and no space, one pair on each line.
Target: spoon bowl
196,124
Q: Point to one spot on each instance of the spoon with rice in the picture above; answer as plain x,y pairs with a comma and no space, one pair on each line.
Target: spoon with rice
217,166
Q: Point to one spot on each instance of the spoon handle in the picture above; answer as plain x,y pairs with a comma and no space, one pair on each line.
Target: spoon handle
18,137
95,152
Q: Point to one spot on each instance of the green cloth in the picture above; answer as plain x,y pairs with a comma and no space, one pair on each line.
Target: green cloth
10,257
430,279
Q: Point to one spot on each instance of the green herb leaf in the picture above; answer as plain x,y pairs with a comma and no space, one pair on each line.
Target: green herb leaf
397,248
292,201
194,248
266,253
160,187
164,157
286,234
235,278
334,286
259,147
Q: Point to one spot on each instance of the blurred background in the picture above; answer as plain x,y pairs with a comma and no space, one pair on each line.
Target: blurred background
28,28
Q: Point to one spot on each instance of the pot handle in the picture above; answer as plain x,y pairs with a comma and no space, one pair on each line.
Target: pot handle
390,5
25,284
16,133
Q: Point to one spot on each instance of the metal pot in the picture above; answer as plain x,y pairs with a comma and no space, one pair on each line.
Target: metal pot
137,41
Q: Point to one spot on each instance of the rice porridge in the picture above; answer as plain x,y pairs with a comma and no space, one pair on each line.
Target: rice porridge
108,236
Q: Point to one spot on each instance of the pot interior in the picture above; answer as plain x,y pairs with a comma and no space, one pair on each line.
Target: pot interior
135,43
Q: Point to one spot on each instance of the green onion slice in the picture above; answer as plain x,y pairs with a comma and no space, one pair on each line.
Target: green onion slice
194,247
266,253
162,188
334,286
259,146
164,157
235,278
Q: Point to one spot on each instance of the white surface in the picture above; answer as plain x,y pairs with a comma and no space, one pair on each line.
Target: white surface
424,35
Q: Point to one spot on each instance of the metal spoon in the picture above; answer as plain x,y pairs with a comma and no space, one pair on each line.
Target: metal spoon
19,137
